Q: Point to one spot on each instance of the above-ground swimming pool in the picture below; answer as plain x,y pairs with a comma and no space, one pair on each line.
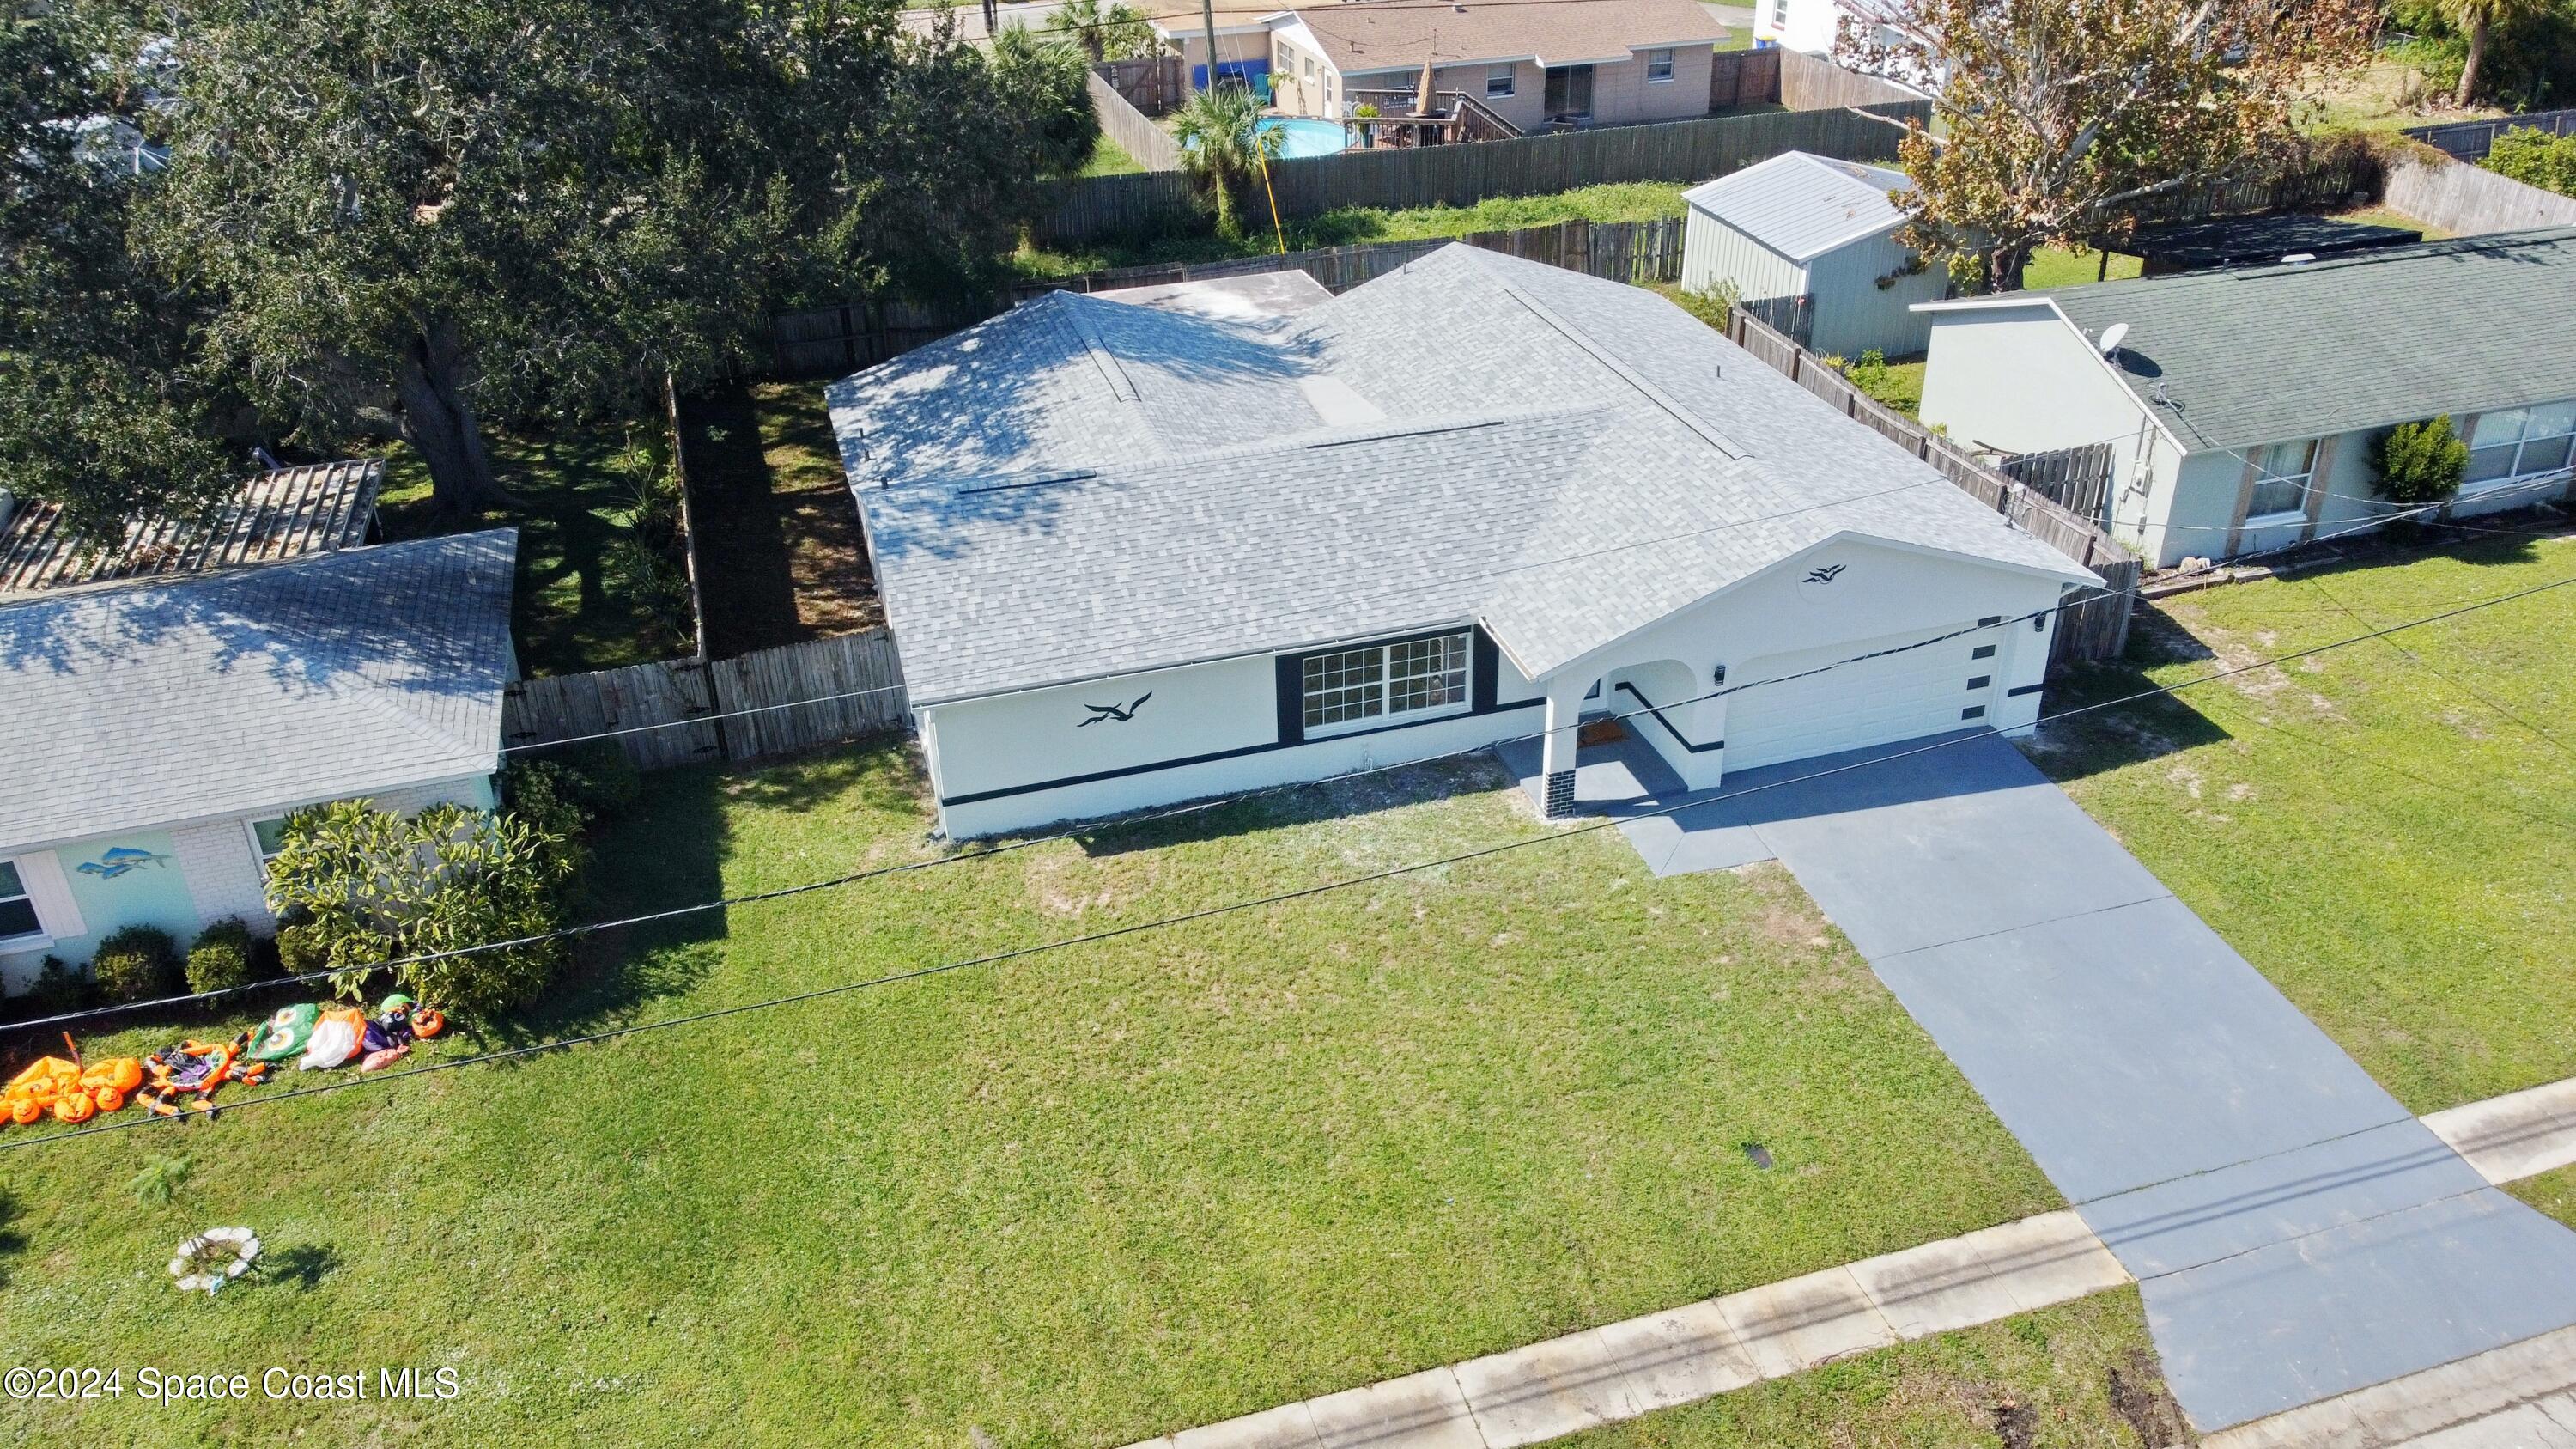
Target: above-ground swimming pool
1302,137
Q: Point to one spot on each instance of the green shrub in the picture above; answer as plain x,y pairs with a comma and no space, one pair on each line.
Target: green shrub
303,948
58,988
2535,158
137,963
361,886
2420,463
574,789
224,956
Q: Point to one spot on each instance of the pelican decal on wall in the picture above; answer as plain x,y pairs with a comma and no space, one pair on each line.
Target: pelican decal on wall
1100,712
1824,575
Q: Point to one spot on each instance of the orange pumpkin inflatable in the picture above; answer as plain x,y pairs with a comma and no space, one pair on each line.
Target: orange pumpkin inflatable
23,1110
109,1099
74,1107
428,1022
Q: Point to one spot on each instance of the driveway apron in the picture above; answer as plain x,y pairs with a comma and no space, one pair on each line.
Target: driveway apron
2295,1231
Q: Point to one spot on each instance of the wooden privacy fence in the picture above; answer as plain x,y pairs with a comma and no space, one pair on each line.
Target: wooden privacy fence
1811,83
836,341
1152,84
1462,175
2075,479
807,344
2471,140
1149,145
2468,200
684,711
1623,251
2097,629
1744,78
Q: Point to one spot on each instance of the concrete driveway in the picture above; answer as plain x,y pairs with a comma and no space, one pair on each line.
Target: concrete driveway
2296,1232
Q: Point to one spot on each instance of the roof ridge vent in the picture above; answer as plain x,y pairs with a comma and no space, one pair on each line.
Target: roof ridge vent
1120,386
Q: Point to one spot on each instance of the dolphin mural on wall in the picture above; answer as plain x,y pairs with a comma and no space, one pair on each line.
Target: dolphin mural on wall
117,860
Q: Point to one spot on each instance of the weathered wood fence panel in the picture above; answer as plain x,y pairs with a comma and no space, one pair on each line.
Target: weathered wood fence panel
2471,140
1623,251
2471,200
656,701
2075,479
684,712
798,696
836,341
1150,145
1152,84
2097,629
1394,179
1744,78
1811,83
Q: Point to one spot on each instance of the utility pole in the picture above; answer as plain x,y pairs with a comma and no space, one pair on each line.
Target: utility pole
1207,13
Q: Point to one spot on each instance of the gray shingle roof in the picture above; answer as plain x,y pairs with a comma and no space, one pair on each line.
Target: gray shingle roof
1803,206
2280,353
1564,458
153,703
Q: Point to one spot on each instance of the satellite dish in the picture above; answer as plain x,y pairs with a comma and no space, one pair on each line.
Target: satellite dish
2113,336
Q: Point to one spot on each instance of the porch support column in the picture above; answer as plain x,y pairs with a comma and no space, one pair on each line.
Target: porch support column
1564,715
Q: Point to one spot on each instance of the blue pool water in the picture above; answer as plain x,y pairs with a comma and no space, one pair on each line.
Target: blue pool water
1301,137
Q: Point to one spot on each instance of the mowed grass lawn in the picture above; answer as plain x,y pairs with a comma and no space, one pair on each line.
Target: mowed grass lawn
2388,830
1078,1198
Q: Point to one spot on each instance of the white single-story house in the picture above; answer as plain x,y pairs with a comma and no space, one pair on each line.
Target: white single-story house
163,728
1601,62
1138,554
1807,226
2242,405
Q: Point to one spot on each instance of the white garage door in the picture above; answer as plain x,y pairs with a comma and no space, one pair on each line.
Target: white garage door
1894,697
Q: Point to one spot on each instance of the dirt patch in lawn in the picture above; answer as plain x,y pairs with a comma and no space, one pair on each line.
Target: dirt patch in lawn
780,553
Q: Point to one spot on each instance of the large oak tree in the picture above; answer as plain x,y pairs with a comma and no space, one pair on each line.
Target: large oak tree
2056,121
417,215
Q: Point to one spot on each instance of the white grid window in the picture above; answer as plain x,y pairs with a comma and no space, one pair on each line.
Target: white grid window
2281,474
2513,443
1385,679
1499,82
1659,66
17,910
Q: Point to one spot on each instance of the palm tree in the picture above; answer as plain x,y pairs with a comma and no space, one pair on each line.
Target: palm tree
1112,31
1223,147
2475,17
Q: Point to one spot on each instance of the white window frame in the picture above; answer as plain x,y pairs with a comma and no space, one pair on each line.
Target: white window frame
258,851
2305,478
1509,76
1381,714
1662,58
39,938
2516,474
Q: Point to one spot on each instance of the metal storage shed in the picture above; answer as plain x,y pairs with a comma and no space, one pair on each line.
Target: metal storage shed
1807,226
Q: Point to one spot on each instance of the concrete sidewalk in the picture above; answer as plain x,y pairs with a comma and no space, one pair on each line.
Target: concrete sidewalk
2514,1395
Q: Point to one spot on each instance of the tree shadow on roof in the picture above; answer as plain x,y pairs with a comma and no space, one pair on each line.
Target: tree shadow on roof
424,619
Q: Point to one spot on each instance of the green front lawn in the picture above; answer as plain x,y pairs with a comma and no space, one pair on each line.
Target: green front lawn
2552,1192
573,610
2081,1375
2384,829
1075,1199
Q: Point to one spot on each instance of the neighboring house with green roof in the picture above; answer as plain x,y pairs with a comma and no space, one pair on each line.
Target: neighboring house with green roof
2242,404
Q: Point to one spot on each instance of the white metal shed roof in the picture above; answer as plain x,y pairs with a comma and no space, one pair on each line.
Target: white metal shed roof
1803,206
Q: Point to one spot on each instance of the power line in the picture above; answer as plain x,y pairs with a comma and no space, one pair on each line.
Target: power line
1301,893
1124,822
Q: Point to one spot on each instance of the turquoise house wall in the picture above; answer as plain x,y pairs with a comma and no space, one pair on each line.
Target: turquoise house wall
146,892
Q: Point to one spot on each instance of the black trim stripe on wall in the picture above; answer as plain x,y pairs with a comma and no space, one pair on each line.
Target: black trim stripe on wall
1261,749
1678,737
1484,659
